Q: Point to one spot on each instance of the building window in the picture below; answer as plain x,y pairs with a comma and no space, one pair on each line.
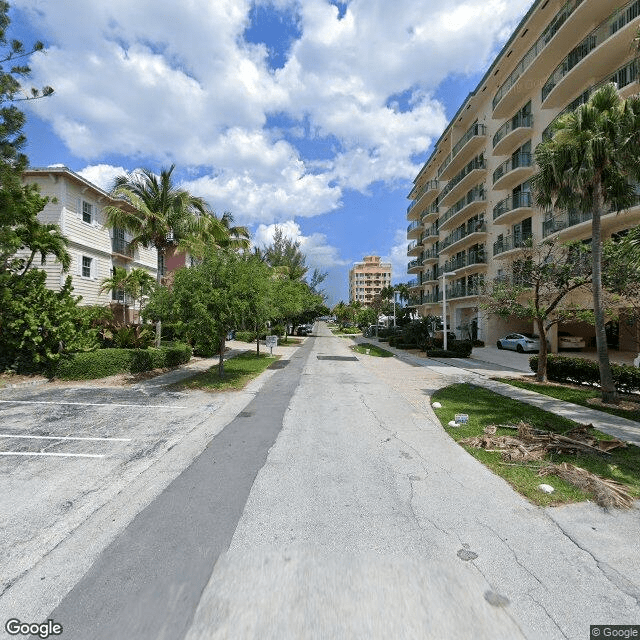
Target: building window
86,212
86,267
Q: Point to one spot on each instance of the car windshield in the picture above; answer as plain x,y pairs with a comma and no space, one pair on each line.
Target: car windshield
530,336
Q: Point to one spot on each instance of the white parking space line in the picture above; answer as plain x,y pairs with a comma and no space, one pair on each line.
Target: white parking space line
96,404
44,453
11,435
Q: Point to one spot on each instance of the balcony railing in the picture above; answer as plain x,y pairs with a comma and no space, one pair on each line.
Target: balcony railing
433,208
428,186
118,245
547,35
511,242
411,246
477,194
412,284
415,263
477,163
514,201
462,291
467,260
602,32
521,159
463,232
431,298
431,232
475,129
413,226
511,125
430,254
622,77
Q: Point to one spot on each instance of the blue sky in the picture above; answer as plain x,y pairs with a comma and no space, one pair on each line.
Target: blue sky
310,114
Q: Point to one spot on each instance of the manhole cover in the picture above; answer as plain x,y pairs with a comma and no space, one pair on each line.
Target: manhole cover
337,358
278,364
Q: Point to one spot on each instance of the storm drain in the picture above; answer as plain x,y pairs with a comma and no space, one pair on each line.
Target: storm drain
337,358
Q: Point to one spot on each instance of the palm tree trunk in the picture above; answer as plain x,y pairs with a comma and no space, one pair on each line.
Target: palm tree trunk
159,281
607,385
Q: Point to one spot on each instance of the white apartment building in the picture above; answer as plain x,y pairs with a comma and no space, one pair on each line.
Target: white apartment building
471,205
77,207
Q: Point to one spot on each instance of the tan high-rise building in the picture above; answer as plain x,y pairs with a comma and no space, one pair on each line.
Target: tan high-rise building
471,206
368,278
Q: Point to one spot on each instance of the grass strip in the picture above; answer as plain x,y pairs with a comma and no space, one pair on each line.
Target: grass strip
373,349
485,407
575,395
238,371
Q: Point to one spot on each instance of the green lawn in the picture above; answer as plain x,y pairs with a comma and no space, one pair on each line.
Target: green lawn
238,371
575,395
374,350
485,407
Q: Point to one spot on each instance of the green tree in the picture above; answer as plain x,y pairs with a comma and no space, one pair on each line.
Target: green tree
117,282
591,164
160,214
536,287
284,252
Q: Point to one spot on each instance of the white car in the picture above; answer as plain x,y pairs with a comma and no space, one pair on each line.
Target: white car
519,342
567,341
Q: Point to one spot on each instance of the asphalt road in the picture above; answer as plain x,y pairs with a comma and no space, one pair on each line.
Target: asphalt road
346,510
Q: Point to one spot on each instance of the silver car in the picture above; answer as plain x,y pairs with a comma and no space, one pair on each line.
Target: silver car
520,342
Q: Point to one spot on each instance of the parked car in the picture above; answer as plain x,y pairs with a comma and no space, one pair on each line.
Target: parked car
567,341
302,330
520,342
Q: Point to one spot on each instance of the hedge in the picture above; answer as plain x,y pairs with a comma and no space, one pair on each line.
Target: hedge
582,371
109,362
246,336
457,349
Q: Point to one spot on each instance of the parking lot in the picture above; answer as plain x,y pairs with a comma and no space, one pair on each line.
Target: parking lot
66,451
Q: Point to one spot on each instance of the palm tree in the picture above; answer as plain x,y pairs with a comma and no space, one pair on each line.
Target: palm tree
160,214
212,231
590,164
139,284
117,282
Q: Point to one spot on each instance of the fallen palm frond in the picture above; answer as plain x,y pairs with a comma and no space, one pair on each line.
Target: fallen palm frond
606,493
534,444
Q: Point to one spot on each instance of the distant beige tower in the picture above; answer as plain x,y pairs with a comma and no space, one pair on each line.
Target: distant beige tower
368,278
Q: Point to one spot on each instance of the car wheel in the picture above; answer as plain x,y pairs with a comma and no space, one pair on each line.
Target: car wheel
499,344
519,349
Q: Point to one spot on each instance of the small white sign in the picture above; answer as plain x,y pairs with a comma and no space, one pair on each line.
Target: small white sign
272,341
462,418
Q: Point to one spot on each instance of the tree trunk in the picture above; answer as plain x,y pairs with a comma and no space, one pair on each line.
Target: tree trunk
609,394
257,339
159,281
541,374
221,357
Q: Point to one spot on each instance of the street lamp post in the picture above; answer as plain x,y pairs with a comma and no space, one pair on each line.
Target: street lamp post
444,305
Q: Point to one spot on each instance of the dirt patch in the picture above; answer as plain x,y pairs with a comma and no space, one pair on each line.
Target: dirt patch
624,405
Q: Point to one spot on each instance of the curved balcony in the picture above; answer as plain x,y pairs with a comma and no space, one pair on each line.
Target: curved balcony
470,262
413,284
552,45
414,228
431,234
577,224
471,142
512,134
431,213
432,298
473,233
513,171
512,208
428,277
465,207
605,47
430,256
422,198
415,266
462,291
626,78
473,172
414,248
507,246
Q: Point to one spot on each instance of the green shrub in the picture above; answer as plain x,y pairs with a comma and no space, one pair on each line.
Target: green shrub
276,330
110,362
246,336
456,349
582,371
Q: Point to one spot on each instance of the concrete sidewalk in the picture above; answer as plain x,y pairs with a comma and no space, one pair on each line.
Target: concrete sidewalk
481,374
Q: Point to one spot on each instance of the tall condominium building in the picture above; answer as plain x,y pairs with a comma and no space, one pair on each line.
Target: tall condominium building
471,206
368,278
